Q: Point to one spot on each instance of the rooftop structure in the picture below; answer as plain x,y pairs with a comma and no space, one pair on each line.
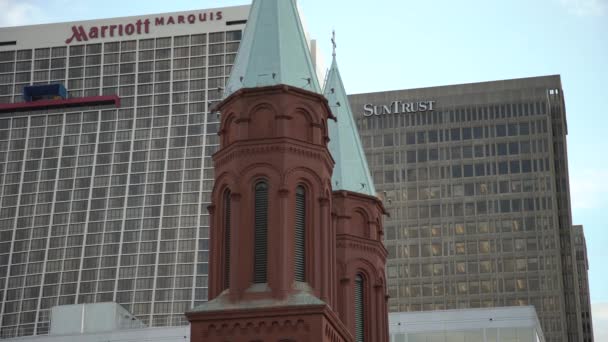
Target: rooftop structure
500,324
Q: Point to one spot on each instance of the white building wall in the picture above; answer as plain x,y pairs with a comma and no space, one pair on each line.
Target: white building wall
165,334
503,324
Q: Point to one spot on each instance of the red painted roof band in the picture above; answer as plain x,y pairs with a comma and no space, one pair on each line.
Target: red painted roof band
75,102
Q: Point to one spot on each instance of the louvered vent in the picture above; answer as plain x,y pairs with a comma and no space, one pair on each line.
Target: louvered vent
359,308
300,235
261,232
227,239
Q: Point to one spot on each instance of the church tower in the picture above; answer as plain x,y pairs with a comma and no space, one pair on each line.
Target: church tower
357,217
296,252
273,244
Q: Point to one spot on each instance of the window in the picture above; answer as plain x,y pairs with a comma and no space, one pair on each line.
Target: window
468,170
456,171
467,151
513,148
300,235
411,156
480,169
227,239
526,166
501,130
477,132
515,166
502,149
421,137
455,134
260,232
422,155
433,154
503,168
359,309
388,140
512,129
410,138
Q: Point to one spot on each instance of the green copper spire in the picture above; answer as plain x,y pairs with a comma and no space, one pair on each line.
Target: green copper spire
274,50
351,171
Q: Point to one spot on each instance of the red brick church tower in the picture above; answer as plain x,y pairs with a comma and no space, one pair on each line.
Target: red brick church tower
296,251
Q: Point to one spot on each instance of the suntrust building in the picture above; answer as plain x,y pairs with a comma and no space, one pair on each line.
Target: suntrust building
103,194
475,178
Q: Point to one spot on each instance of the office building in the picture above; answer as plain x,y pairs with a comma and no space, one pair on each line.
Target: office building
475,178
582,266
106,199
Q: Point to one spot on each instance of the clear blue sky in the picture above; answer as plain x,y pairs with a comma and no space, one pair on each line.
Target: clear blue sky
397,44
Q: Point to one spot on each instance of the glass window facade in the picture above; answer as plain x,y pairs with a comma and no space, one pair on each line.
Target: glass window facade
477,192
109,204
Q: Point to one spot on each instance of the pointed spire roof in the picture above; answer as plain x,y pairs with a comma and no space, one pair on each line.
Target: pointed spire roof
274,50
351,171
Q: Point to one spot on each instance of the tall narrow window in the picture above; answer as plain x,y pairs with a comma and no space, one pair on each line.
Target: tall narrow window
300,235
261,233
227,239
359,309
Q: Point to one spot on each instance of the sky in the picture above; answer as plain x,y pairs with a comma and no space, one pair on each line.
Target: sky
397,44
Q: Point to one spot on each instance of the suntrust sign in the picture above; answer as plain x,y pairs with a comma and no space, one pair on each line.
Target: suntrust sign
398,107
139,26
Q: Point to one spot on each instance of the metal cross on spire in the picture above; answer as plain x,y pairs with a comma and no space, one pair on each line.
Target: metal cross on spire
333,42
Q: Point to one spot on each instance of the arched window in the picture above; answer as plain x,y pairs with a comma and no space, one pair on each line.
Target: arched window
227,239
300,235
359,309
260,232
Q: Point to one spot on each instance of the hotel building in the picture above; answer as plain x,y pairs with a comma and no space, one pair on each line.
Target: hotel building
103,196
475,177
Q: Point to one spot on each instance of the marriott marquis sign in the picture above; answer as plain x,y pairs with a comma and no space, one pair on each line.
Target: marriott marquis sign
398,107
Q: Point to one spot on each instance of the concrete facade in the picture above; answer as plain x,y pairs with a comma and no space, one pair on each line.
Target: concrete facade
100,203
475,179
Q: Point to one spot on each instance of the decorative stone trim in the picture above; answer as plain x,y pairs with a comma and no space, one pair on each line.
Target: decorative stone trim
369,246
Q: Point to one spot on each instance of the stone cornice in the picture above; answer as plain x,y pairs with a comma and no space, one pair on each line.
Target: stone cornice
362,244
227,322
362,197
240,150
272,90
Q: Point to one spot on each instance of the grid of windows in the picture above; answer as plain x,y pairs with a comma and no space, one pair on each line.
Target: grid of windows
471,192
104,204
